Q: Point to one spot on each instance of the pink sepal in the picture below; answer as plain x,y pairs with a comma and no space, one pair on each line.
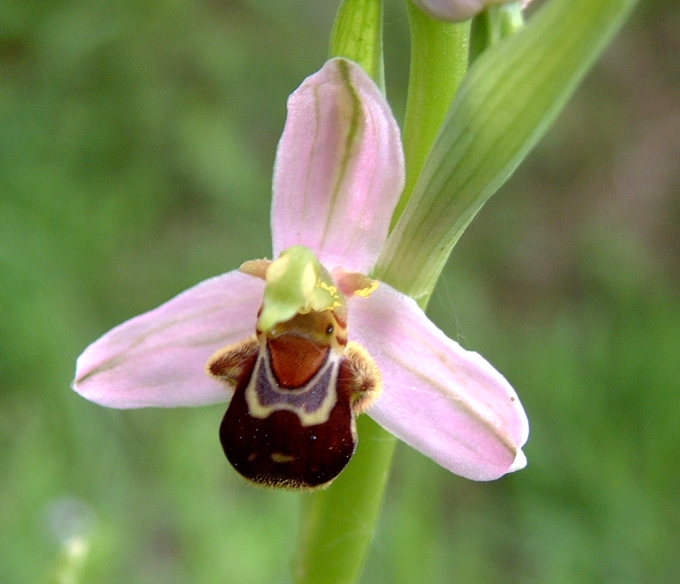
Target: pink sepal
339,169
446,402
159,358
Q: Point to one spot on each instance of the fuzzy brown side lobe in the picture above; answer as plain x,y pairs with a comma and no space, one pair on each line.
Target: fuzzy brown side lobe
364,376
229,363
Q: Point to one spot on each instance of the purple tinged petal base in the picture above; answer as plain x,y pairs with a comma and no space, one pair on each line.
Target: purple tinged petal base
448,403
455,10
158,359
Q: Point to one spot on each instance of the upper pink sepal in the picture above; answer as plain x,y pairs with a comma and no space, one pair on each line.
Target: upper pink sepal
339,169
159,358
448,403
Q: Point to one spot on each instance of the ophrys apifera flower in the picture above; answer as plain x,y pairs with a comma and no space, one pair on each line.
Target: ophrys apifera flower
302,344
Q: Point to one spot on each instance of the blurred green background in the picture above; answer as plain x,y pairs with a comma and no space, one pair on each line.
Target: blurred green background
136,147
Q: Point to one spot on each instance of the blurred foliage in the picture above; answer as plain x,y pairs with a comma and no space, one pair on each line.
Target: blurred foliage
136,146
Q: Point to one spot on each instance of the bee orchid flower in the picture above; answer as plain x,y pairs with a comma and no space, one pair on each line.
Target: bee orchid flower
302,344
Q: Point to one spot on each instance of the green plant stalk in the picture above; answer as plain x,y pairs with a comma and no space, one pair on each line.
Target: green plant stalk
439,58
509,98
339,522
357,35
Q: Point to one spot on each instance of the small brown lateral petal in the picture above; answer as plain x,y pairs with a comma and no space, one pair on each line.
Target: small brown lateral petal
257,268
351,283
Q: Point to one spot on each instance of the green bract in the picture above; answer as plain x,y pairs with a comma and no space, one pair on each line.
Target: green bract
507,101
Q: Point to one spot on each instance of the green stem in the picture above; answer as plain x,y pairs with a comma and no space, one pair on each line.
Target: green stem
439,57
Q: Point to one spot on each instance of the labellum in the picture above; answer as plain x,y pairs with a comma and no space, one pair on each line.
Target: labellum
298,383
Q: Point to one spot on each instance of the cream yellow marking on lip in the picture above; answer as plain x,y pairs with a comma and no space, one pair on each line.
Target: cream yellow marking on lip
281,458
319,416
